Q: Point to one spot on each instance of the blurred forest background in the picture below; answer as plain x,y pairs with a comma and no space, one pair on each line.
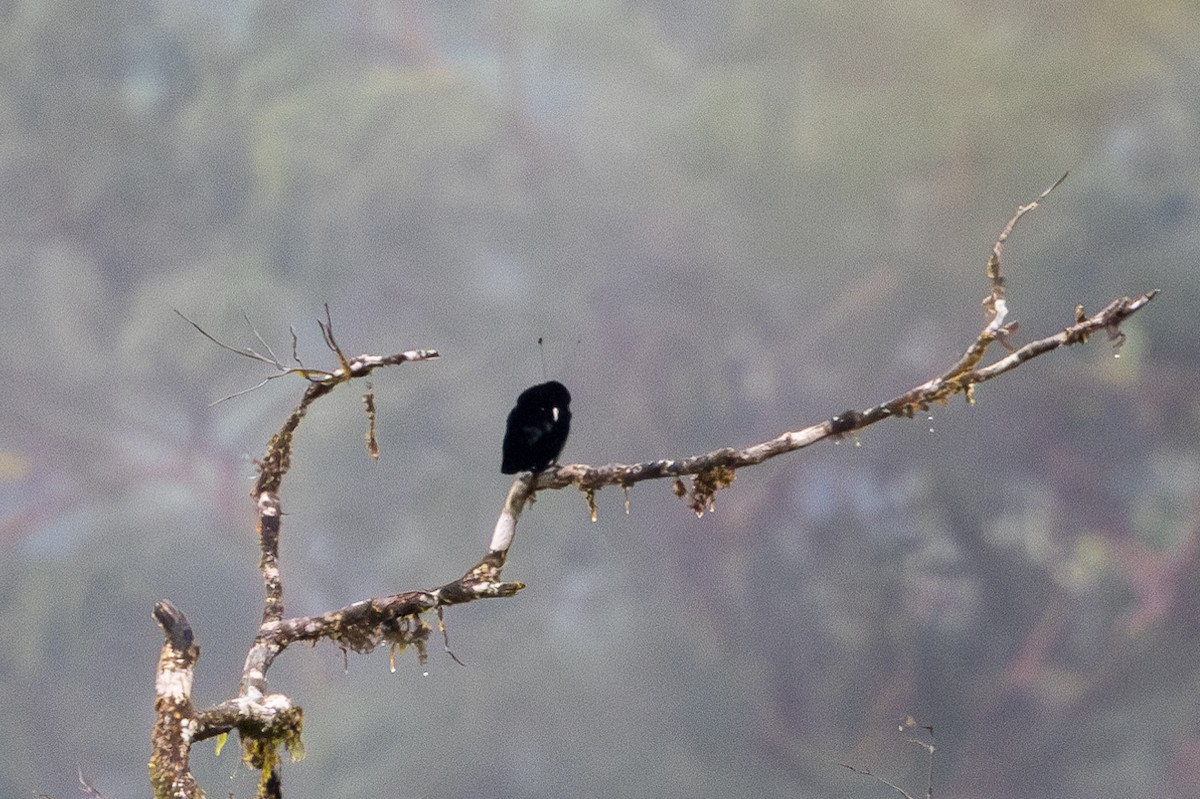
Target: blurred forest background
728,220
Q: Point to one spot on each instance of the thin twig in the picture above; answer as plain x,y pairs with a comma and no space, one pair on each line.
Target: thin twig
245,353
994,304
868,773
86,788
446,635
311,375
261,340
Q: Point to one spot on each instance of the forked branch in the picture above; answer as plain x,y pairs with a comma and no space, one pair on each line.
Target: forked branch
268,721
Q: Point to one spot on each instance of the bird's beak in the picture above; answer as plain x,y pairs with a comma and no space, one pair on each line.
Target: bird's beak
554,412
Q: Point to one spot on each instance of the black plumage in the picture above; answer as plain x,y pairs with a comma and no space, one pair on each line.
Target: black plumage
537,428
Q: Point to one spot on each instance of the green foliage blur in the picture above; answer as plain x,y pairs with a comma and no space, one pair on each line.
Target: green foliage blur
726,220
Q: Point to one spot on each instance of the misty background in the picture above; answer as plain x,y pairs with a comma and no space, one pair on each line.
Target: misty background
727,220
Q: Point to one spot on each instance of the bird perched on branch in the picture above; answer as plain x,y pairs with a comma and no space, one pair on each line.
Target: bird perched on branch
537,428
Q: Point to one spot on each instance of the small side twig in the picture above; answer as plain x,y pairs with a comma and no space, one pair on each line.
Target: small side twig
908,724
312,375
994,304
86,788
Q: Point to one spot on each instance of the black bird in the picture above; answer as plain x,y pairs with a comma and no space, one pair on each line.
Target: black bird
537,428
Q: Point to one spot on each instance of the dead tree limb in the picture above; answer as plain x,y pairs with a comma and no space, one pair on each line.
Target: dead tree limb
170,774
265,722
712,471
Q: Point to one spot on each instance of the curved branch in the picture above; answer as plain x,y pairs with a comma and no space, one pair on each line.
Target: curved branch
715,470
268,720
960,379
278,460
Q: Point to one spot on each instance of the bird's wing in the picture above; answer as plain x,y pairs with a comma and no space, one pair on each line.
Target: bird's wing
535,432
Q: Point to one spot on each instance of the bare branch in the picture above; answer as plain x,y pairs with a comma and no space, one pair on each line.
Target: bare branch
331,342
713,471
959,379
994,304
273,360
86,788
244,352
261,341
267,721
908,724
446,635
868,773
